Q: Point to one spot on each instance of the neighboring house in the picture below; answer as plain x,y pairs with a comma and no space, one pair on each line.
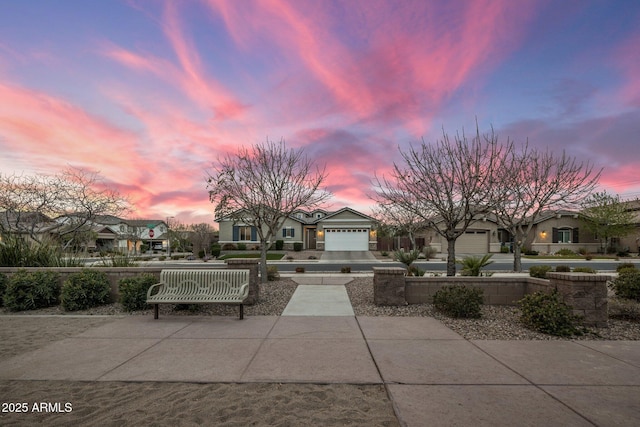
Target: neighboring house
342,230
632,241
482,236
126,235
553,231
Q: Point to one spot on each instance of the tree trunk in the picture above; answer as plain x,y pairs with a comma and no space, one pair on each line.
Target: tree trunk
451,257
263,263
517,259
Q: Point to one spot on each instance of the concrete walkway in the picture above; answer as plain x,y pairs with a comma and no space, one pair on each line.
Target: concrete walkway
433,376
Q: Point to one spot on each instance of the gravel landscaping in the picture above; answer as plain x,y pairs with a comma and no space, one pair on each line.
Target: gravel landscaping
496,323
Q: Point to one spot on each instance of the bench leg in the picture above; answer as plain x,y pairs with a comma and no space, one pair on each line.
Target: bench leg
241,311
155,311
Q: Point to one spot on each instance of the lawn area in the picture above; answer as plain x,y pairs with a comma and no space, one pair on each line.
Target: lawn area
271,256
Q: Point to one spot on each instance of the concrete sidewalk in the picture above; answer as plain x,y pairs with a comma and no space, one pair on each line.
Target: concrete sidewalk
433,376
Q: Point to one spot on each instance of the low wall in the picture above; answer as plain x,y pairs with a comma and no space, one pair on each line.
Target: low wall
585,293
496,291
114,274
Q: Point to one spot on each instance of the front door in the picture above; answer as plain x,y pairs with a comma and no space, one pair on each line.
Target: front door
311,238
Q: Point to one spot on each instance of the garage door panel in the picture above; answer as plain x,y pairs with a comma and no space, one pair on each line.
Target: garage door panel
472,242
346,239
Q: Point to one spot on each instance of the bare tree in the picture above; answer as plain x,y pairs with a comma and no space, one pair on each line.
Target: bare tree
263,186
29,203
446,184
533,181
399,219
201,237
607,217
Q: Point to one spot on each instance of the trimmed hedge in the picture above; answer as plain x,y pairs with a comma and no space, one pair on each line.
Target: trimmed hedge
3,286
85,289
133,291
547,313
459,301
32,290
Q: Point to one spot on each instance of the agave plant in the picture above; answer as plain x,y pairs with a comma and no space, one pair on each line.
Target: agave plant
472,265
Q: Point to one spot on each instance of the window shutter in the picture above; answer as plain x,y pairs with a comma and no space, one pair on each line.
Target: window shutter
284,232
554,235
575,235
236,233
254,234
293,232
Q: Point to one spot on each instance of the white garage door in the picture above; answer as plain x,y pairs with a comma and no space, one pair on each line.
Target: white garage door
472,242
346,239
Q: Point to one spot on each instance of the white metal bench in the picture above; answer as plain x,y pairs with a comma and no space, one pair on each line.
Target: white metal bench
200,287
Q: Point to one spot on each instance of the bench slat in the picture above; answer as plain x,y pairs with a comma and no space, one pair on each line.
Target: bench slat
200,287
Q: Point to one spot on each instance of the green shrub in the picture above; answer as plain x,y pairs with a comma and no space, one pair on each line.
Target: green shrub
384,253
429,252
583,251
624,253
565,252
546,313
272,273
563,269
279,245
459,301
530,252
3,286
415,271
584,270
627,284
201,254
32,290
133,291
504,249
625,265
625,309
215,250
297,246
242,246
539,271
85,289
472,265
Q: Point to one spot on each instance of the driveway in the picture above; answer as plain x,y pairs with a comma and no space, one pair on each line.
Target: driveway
347,256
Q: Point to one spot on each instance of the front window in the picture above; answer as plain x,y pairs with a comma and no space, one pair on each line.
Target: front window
244,233
287,232
564,236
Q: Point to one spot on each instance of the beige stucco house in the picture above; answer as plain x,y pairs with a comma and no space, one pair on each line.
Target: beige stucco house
342,230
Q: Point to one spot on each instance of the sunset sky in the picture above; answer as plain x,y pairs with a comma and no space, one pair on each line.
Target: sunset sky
150,93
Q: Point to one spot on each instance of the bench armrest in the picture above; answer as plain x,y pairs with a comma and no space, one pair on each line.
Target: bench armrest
152,287
244,290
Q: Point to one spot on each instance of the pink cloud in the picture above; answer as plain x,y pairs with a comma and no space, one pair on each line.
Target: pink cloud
393,60
628,61
41,126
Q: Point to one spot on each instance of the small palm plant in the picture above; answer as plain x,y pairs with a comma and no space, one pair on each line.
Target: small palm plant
472,265
407,258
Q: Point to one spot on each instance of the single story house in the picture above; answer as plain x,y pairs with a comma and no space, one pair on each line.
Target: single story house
482,236
342,230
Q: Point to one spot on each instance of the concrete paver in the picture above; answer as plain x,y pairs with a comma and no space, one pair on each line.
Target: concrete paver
326,360
438,362
189,360
562,362
410,328
74,359
480,405
319,300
